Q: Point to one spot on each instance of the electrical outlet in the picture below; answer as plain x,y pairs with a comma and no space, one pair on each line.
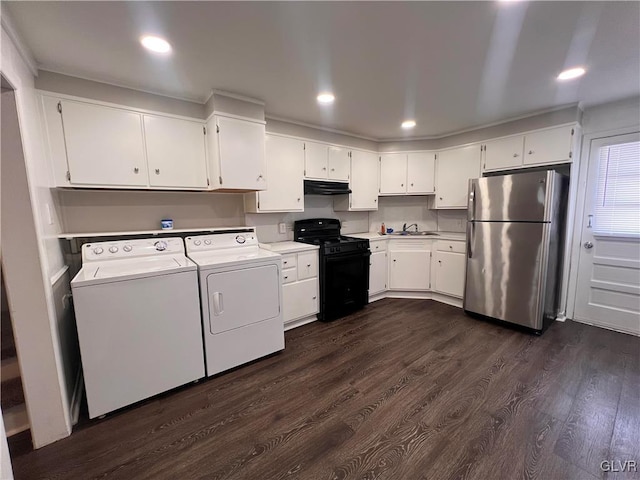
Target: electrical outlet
282,228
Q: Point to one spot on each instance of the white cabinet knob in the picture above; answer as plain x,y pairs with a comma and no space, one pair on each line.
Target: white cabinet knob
157,171
136,170
515,155
127,248
113,249
530,152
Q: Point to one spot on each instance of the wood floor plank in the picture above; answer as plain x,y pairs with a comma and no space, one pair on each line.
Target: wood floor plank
404,389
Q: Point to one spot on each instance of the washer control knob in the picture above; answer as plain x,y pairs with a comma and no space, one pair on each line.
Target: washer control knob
98,250
127,248
197,243
113,249
240,239
207,242
160,245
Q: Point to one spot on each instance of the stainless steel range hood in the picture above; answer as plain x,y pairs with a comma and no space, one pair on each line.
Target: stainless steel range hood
321,187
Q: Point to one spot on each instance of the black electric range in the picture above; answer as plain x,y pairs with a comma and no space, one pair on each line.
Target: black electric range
344,266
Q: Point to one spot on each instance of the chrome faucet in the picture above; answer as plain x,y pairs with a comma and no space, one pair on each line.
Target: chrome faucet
404,227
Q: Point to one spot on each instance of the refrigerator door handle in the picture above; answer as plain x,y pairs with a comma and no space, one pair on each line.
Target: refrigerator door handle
469,242
472,199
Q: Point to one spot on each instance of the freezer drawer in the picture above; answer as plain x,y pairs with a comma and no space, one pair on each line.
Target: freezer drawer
505,265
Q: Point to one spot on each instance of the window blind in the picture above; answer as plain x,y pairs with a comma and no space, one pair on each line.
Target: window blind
617,209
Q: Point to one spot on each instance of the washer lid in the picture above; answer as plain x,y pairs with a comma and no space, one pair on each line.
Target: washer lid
95,273
205,259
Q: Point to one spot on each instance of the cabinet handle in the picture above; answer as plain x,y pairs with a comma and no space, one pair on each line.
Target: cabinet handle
259,177
450,246
285,262
530,152
412,184
394,259
440,261
285,277
324,168
333,169
402,184
298,198
440,198
136,170
375,199
313,298
515,155
308,265
157,171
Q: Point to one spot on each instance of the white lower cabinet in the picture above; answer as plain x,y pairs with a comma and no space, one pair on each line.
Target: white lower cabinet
378,272
409,269
448,270
300,287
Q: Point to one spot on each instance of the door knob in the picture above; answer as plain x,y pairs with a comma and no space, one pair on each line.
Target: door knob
588,245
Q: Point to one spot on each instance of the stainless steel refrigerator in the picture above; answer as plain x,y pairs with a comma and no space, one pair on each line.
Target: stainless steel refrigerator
515,238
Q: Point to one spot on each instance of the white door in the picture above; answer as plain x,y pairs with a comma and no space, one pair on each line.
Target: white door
548,146
176,152
364,181
104,145
503,154
285,166
449,273
300,299
409,270
608,287
421,171
316,160
377,272
339,164
227,297
241,154
454,168
393,173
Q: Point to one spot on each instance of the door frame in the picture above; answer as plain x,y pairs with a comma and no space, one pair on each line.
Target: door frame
588,142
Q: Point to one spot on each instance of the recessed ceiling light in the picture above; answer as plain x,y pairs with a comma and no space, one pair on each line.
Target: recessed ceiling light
326,98
155,44
407,124
571,73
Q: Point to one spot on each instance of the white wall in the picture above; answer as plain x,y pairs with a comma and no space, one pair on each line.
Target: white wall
38,345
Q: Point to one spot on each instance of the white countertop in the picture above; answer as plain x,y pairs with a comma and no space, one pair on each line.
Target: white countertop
457,236
288,247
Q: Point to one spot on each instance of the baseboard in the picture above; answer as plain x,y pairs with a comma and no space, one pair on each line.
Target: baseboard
76,399
300,322
438,297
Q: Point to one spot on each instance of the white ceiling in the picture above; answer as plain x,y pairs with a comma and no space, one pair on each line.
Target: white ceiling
449,65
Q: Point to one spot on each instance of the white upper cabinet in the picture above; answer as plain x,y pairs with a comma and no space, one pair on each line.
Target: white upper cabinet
393,174
454,168
237,152
176,152
421,173
503,154
553,145
316,160
285,165
363,183
339,164
104,145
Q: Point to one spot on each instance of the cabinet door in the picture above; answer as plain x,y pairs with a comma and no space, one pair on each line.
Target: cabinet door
339,164
409,270
449,273
299,299
364,181
503,154
241,154
285,166
548,146
393,173
104,145
421,171
316,160
307,265
454,168
377,272
175,152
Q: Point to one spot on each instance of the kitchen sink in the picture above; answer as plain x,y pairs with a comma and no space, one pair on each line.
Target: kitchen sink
413,234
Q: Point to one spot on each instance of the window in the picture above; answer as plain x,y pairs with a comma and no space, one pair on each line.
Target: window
617,209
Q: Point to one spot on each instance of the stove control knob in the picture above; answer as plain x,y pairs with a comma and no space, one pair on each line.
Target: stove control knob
240,239
207,242
160,245
127,248
197,243
113,249
98,250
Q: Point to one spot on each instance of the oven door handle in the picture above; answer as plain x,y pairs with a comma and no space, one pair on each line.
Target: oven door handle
341,256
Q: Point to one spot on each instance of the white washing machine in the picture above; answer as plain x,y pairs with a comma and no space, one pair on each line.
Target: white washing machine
138,318
240,296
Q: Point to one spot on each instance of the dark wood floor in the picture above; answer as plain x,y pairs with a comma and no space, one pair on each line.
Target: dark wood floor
406,389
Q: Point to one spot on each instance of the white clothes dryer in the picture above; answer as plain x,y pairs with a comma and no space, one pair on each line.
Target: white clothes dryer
240,296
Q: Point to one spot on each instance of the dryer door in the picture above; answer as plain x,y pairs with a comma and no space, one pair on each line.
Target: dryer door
242,297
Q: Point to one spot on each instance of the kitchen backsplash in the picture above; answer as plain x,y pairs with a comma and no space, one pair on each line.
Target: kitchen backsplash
395,211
